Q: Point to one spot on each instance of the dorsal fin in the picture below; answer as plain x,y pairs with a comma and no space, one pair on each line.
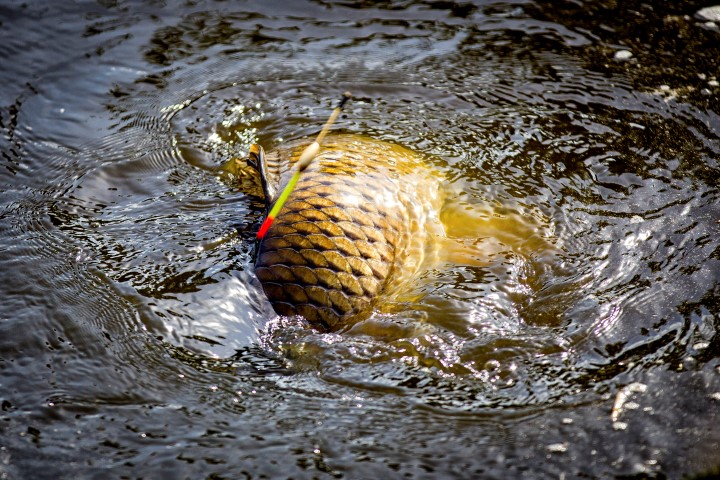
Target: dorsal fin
269,174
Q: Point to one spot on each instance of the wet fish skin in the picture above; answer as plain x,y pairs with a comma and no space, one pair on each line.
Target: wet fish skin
352,230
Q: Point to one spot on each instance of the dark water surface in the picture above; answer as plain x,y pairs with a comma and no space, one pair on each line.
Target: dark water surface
135,341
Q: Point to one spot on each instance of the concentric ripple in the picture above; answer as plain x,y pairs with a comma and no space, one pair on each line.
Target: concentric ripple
567,327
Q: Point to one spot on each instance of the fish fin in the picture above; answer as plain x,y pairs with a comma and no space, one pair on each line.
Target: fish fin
268,177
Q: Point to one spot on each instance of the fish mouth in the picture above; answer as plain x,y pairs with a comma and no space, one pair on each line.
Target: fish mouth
257,159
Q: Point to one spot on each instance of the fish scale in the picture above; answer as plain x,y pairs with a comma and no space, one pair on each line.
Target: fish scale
352,229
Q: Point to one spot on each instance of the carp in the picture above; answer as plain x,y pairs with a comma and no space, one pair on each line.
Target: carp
354,229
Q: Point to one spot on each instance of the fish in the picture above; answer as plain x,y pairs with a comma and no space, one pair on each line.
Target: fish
354,230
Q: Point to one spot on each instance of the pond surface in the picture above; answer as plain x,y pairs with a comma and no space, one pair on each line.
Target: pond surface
136,342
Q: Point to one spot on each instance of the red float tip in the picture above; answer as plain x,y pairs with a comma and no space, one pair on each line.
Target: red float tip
265,227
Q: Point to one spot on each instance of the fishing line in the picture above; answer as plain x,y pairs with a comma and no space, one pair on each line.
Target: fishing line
308,155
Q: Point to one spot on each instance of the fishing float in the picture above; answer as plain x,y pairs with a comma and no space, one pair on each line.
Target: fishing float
308,155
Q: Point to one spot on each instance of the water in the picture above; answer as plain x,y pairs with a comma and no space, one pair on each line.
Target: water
134,338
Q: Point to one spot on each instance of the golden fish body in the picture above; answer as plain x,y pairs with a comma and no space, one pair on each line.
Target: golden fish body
353,230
